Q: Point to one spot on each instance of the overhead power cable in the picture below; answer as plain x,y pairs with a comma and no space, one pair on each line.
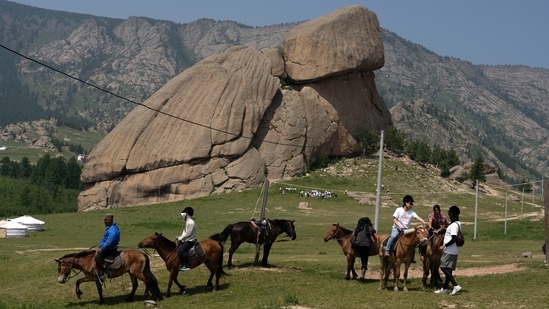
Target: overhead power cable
137,103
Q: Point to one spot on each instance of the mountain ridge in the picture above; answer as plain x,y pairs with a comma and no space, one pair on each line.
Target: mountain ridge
494,110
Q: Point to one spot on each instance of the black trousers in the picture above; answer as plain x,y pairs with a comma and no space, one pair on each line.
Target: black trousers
182,251
100,258
364,253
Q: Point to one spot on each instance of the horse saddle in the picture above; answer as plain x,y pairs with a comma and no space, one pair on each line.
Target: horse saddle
397,238
114,261
263,228
196,251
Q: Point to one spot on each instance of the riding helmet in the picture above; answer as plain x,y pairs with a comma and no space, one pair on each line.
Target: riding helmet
189,211
407,198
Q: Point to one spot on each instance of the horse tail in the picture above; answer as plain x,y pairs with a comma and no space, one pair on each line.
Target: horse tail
220,270
152,282
222,237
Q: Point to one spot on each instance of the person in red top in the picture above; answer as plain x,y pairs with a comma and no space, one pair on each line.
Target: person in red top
437,221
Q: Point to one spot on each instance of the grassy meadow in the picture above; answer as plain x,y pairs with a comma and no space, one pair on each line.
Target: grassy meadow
307,272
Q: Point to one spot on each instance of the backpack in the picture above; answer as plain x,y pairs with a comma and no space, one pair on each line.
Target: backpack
460,238
364,223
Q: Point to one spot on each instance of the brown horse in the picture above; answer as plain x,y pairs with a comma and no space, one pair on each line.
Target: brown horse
431,263
167,249
343,237
248,231
135,263
402,253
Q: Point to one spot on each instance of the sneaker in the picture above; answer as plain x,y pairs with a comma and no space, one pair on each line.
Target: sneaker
387,255
456,289
184,268
442,291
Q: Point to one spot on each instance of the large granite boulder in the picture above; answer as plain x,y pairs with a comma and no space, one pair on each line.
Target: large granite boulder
235,118
346,40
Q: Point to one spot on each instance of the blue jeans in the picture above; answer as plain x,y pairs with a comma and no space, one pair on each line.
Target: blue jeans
394,233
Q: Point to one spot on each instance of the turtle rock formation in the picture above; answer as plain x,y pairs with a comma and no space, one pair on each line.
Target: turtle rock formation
238,117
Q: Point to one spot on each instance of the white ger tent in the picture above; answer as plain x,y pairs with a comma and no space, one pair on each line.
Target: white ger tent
31,223
10,229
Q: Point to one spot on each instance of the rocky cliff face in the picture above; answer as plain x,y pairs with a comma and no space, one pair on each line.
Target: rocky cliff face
498,111
227,123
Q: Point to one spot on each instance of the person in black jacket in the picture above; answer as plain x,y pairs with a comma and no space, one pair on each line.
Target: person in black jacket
363,238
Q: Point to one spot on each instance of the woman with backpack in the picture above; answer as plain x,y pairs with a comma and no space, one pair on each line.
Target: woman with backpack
450,248
363,238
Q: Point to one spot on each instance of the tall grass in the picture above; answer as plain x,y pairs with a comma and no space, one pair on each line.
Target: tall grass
306,272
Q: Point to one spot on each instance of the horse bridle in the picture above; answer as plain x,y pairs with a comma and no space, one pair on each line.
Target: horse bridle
76,273
292,229
156,245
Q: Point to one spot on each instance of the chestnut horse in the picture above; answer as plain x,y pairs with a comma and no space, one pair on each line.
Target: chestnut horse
167,249
402,253
248,231
343,237
133,262
431,263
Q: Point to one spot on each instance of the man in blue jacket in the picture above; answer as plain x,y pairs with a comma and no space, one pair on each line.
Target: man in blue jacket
108,244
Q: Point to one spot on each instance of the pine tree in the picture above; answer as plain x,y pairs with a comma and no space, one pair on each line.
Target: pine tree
477,170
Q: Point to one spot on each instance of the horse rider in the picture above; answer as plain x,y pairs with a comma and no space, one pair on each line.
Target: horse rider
187,239
436,221
107,246
402,218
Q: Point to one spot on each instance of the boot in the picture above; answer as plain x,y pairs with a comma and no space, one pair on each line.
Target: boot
362,275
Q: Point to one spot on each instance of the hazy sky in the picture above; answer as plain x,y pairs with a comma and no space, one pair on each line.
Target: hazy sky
480,31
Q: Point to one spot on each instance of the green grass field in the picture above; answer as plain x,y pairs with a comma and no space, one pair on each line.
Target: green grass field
306,272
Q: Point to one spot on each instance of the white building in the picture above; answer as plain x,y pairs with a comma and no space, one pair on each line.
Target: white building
31,223
11,229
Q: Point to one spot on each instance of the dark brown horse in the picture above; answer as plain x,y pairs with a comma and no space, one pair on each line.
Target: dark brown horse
343,237
167,249
248,231
431,263
402,253
135,263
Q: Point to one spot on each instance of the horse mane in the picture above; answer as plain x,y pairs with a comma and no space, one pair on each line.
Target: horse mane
78,254
345,231
165,239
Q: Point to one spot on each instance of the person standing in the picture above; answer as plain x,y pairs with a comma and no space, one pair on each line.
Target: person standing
402,218
108,245
448,261
187,239
364,236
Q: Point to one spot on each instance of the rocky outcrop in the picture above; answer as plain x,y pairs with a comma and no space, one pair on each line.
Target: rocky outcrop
238,117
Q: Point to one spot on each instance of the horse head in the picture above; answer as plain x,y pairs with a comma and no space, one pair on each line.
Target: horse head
421,235
64,267
70,261
289,228
334,232
150,242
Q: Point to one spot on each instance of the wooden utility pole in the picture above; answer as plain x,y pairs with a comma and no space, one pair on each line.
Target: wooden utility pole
264,200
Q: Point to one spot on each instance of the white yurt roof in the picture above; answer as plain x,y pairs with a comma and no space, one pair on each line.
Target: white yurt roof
31,223
12,225
27,220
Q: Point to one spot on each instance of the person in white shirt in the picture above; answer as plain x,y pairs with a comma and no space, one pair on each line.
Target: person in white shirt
187,238
448,261
402,218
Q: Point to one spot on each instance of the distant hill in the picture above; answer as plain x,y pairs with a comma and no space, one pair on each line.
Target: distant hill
498,111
